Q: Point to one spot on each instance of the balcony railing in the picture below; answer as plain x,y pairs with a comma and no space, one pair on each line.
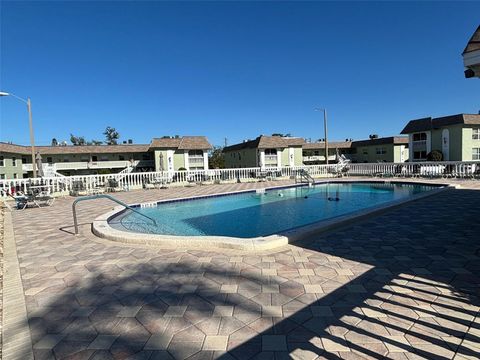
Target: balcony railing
79,165
271,159
195,159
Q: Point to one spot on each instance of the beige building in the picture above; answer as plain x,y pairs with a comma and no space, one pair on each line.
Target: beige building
167,154
265,152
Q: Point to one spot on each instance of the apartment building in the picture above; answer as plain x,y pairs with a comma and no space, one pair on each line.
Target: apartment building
162,154
471,56
265,152
457,137
375,149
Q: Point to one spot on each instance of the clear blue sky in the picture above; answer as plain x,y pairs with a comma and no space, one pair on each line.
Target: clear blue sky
232,69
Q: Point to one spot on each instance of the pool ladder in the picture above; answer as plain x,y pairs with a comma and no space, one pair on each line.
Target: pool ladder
304,175
104,196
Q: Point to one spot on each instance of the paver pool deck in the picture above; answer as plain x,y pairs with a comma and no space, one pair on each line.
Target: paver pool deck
404,284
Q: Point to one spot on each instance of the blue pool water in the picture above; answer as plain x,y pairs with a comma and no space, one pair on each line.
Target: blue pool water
251,214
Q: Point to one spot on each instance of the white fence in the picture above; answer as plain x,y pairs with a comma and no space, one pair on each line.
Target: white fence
136,180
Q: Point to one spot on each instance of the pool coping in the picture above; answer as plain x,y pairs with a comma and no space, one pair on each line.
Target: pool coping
101,227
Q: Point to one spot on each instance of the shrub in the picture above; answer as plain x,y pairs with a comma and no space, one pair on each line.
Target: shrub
435,155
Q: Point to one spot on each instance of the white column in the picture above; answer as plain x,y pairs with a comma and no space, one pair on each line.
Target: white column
205,160
279,158
185,157
262,159
410,147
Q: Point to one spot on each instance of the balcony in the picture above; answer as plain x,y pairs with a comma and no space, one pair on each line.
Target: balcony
82,165
195,160
318,158
419,145
271,159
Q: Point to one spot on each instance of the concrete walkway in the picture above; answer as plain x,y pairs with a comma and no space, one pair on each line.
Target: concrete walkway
402,285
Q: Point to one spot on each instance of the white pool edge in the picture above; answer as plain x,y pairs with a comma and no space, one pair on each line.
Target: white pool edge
102,229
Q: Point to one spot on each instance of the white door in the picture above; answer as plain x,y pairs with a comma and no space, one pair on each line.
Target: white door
446,144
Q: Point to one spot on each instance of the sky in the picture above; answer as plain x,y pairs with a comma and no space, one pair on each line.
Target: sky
231,70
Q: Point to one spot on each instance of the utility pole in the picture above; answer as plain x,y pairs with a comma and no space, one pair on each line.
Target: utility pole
326,138
225,142
326,131
32,139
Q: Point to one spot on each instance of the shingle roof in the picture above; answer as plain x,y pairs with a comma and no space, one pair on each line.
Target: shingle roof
331,145
183,143
429,123
474,42
70,149
266,142
382,141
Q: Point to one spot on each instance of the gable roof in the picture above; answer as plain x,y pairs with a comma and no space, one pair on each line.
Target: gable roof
474,42
428,123
267,142
183,143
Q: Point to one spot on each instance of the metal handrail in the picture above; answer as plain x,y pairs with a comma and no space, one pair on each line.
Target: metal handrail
93,197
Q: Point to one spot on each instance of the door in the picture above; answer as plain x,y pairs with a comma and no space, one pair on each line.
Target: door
446,144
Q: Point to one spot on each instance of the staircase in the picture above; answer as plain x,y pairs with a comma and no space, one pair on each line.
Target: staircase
49,170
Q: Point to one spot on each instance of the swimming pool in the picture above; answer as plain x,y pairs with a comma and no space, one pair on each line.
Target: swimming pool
258,214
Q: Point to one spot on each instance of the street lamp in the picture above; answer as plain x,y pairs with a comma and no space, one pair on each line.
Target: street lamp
325,127
32,140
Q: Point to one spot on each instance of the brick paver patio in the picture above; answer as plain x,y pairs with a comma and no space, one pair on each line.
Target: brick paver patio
401,285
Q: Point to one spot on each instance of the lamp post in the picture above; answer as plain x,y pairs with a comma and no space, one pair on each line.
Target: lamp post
325,127
32,139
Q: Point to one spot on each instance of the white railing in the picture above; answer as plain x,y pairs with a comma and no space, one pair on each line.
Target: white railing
136,180
79,165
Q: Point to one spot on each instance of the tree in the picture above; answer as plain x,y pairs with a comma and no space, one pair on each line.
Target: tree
54,142
282,135
216,159
111,136
95,142
77,140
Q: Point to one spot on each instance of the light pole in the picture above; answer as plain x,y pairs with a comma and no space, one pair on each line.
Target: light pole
32,139
326,132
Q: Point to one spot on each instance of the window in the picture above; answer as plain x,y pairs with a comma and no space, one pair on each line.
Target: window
66,159
420,137
94,158
380,151
121,157
476,154
476,134
15,176
14,161
270,151
365,151
24,159
419,155
2,176
2,161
